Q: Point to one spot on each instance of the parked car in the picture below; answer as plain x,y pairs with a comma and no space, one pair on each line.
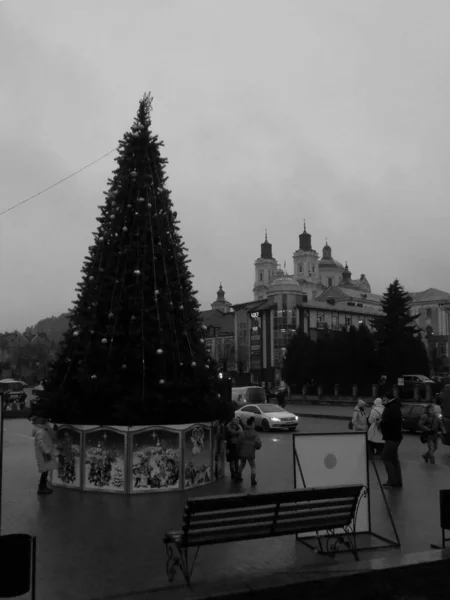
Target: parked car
406,391
411,414
268,416
251,394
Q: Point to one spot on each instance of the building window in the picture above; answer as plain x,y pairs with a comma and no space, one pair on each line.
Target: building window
261,275
300,267
334,320
330,281
313,269
320,320
428,313
348,321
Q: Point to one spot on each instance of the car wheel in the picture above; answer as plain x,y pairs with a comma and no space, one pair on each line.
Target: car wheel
265,425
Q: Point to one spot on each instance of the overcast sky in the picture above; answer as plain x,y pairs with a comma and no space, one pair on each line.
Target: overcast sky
272,112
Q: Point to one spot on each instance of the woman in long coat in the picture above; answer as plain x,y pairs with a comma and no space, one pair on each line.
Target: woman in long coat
374,435
44,439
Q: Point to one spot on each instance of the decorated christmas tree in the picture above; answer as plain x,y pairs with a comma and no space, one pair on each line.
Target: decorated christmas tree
134,352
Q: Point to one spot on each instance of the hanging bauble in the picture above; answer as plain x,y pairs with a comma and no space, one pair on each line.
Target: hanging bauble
93,376
76,333
100,239
116,235
117,281
204,327
181,364
133,173
136,213
133,317
124,228
111,315
181,307
159,351
128,205
104,341
161,382
159,244
137,272
156,292
112,217
113,203
206,366
123,367
141,199
171,304
91,278
149,204
202,341
193,364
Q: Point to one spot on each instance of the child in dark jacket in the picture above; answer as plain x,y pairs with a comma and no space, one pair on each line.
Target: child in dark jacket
233,431
248,442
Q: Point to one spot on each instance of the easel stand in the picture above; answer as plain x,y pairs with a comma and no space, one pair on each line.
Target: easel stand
444,507
318,542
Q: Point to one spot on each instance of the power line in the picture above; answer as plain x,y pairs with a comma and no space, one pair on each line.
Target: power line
57,183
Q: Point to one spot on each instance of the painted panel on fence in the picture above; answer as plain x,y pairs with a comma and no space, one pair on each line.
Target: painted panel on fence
156,460
104,461
197,456
68,450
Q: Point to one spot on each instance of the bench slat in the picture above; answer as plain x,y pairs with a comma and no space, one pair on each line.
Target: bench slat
303,513
248,533
269,509
211,503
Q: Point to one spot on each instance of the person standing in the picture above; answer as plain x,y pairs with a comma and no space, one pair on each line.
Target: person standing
391,429
233,431
44,439
248,442
374,435
431,425
359,419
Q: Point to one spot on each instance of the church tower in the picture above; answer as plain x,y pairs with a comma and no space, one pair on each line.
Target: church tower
306,260
221,304
265,269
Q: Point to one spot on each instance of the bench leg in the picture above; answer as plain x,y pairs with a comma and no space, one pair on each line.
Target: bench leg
181,562
333,540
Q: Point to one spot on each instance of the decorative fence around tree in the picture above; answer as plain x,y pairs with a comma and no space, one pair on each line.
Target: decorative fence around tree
133,460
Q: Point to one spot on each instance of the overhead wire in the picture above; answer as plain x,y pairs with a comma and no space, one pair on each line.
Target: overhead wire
57,183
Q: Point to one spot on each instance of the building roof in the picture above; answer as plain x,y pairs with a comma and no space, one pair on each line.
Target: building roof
284,284
216,318
430,295
341,294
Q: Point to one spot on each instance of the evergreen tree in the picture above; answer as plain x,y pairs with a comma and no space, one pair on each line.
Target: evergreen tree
134,351
299,360
400,346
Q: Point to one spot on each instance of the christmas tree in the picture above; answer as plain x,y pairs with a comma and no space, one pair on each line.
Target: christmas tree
134,352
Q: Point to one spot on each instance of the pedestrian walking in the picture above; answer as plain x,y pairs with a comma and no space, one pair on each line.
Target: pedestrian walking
391,429
44,439
233,431
359,419
248,442
374,435
430,425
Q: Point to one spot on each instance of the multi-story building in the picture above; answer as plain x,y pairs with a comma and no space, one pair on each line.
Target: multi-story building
219,333
320,295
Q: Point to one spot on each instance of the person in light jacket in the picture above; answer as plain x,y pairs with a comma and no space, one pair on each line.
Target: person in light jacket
248,442
44,440
374,435
359,419
431,425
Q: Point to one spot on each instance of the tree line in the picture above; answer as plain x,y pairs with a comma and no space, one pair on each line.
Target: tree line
360,356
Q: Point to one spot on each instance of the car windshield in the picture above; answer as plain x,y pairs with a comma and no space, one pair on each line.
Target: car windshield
269,408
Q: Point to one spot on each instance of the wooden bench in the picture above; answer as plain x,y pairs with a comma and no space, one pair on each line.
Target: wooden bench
238,517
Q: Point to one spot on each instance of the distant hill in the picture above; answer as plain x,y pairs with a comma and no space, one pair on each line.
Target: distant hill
54,327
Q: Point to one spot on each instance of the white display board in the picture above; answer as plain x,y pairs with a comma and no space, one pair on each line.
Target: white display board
322,460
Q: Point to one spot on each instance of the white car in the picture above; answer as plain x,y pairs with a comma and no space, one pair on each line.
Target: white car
268,416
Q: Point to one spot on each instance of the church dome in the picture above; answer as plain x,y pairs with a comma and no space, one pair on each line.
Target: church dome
283,285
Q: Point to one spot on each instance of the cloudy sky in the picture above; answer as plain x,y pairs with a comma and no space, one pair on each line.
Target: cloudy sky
271,112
